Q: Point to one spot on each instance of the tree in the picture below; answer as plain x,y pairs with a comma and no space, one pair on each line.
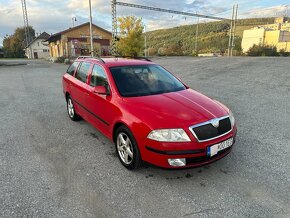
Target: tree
14,45
131,39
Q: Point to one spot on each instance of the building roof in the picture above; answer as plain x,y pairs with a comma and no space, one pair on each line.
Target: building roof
43,36
56,36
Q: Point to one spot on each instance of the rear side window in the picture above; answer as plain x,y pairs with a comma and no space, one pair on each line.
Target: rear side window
83,71
98,77
72,68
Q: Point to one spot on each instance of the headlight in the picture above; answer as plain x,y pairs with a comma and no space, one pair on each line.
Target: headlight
232,119
169,135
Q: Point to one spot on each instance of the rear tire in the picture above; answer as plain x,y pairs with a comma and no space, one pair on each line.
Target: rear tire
71,109
127,148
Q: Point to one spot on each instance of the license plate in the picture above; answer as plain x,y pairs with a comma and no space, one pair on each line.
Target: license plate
214,149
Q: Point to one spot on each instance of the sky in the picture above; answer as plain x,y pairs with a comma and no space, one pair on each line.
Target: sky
53,16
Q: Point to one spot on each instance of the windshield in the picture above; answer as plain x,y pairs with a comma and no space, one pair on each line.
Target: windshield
144,80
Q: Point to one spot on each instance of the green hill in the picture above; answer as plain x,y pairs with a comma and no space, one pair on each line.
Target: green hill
212,38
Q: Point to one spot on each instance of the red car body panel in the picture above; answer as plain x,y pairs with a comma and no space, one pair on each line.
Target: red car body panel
141,115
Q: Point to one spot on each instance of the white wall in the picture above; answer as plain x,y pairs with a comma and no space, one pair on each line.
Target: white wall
39,47
251,37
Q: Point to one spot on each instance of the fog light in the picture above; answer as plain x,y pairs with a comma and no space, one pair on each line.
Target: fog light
180,162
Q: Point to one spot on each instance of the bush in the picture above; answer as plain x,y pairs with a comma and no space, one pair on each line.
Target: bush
151,51
170,50
284,53
161,51
60,59
67,61
263,50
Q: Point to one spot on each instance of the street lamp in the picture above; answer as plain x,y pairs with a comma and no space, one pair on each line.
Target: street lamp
74,19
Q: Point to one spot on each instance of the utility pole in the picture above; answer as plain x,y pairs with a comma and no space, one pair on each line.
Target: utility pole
26,25
145,38
91,30
231,33
234,29
286,10
196,36
114,28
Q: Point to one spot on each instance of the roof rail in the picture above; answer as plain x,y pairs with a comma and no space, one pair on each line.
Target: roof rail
92,57
84,57
137,58
143,58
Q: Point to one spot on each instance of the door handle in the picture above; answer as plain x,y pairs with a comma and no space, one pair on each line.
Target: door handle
87,93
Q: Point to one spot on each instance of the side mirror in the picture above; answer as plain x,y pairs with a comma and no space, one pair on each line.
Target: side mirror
101,90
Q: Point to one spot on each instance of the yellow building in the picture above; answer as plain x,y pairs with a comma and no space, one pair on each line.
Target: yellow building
76,41
281,23
277,35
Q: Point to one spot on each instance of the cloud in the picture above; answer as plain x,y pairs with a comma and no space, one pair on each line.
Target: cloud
48,15
101,6
275,11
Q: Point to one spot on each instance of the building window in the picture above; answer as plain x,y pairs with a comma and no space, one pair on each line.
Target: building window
38,44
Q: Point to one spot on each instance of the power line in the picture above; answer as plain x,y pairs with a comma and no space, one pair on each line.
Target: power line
169,11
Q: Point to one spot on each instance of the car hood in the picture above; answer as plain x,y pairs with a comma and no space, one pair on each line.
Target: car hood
174,109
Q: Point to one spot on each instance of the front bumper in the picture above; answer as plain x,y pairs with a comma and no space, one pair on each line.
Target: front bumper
194,153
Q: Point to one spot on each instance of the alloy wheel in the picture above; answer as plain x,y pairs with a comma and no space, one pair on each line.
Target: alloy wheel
125,149
70,108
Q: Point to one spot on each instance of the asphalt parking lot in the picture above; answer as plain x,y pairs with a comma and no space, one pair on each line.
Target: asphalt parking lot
53,167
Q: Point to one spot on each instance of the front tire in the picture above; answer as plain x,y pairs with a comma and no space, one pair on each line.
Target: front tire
127,148
71,110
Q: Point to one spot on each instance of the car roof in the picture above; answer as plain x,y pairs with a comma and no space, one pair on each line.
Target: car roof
116,61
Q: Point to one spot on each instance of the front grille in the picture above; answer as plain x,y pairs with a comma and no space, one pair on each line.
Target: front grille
208,131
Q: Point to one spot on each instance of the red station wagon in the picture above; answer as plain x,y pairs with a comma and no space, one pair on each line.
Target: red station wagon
148,113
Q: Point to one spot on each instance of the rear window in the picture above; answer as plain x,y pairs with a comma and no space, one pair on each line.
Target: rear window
83,72
72,68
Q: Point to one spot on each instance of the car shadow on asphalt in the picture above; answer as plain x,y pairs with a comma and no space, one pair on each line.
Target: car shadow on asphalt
149,171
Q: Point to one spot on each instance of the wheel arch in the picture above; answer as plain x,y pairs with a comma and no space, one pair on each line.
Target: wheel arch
66,95
116,126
